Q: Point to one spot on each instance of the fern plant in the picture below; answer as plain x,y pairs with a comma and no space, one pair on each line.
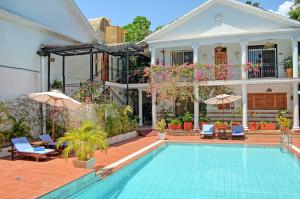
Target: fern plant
84,141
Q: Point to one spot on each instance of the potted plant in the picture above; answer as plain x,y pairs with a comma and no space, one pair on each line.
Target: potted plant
253,126
87,90
203,120
283,122
188,121
84,141
267,125
288,66
221,125
160,126
57,84
175,124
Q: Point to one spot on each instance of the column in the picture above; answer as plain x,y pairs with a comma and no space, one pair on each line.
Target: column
140,107
295,106
295,58
153,62
244,46
154,118
153,56
43,89
196,108
245,106
196,90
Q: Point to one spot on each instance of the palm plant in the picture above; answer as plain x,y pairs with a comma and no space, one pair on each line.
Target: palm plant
84,141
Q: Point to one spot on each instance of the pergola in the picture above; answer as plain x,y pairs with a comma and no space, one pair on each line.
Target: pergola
122,50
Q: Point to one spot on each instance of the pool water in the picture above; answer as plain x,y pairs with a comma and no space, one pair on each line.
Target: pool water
204,171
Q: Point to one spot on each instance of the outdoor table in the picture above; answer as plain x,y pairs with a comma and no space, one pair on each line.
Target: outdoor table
222,133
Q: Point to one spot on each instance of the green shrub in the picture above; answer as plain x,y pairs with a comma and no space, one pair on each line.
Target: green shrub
187,117
175,121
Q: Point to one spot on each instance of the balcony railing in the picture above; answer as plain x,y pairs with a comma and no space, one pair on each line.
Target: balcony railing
228,73
268,71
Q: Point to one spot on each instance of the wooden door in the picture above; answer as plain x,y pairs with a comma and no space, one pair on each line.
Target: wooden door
220,55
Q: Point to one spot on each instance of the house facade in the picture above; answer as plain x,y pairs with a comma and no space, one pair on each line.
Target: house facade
25,26
233,33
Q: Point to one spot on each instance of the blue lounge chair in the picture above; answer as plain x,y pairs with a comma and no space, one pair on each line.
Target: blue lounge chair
51,143
23,147
238,131
47,138
208,130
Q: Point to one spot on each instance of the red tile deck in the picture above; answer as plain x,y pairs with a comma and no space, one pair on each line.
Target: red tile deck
24,178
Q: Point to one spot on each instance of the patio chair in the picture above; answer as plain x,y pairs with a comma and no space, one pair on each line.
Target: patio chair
23,147
238,131
51,143
208,130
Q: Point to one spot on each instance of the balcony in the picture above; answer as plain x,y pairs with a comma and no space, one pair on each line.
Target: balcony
235,72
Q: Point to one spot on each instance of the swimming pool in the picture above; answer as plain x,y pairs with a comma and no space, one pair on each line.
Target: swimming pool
204,171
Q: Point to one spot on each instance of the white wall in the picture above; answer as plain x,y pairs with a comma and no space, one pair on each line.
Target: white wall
56,14
234,21
18,49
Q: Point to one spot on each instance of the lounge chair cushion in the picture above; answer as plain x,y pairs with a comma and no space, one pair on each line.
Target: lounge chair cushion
238,130
22,145
208,129
47,138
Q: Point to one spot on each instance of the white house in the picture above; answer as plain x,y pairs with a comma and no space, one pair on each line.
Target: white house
230,32
24,27
233,33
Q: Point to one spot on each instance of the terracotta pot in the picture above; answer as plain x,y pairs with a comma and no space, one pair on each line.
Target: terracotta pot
188,126
88,99
289,72
235,123
84,164
175,126
253,126
221,126
271,126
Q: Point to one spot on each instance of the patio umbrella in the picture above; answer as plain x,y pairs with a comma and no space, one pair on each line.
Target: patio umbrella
56,99
222,99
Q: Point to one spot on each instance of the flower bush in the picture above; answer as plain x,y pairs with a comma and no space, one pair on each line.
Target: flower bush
176,82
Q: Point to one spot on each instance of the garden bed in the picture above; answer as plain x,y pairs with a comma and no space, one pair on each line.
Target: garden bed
122,137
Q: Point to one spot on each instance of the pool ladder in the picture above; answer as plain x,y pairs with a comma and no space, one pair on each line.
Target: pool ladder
285,140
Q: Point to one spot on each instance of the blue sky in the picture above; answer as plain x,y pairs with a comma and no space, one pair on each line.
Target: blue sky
159,12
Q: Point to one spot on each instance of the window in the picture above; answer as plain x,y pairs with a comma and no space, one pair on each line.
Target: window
182,57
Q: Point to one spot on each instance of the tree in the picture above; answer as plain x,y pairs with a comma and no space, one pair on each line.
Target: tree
138,29
294,13
255,4
159,27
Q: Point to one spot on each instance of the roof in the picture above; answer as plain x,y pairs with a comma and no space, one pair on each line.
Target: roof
232,3
86,48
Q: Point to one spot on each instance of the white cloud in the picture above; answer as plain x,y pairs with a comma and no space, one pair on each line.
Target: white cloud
284,8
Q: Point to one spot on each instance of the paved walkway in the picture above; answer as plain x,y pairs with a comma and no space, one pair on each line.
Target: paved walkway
28,179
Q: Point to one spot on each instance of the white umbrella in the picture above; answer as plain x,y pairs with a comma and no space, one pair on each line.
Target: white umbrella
222,99
58,100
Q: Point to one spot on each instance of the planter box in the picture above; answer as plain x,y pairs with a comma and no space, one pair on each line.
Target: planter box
188,126
289,72
221,127
271,126
122,137
253,126
161,136
175,126
85,164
